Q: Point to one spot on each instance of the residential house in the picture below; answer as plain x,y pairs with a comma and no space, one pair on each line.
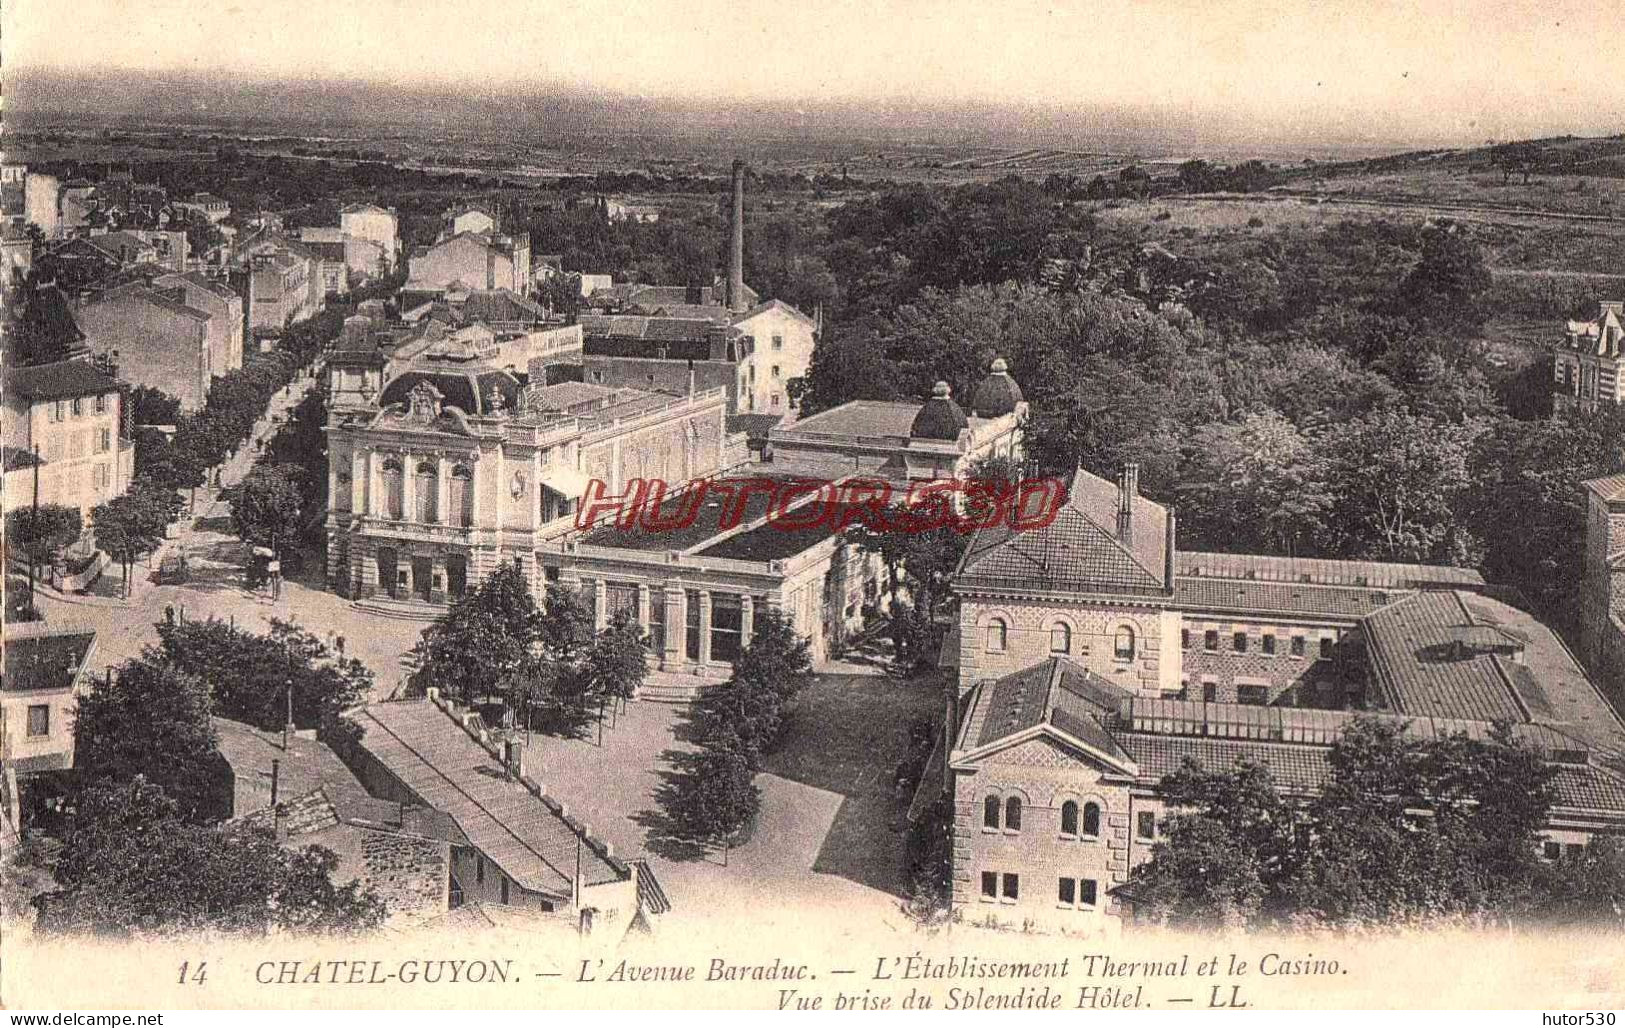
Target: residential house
374,224
284,283
157,339
470,260
42,203
217,299
207,204
43,669
472,219
13,193
1602,587
69,412
1586,366
343,256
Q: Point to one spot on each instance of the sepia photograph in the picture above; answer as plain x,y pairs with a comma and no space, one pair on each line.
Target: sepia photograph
813,505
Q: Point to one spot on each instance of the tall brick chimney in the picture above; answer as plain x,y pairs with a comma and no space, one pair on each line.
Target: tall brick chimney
736,242
1128,487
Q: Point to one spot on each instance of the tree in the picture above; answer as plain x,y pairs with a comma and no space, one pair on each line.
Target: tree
776,659
483,644
265,507
1448,280
132,865
42,533
562,295
717,797
250,676
130,526
615,665
1252,486
153,722
1395,477
152,406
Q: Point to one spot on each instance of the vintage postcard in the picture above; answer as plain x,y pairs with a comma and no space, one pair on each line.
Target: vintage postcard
812,506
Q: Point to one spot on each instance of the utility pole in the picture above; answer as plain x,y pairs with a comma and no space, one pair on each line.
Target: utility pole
287,729
35,527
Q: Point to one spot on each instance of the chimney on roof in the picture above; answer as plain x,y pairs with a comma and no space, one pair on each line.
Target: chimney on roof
736,242
1128,487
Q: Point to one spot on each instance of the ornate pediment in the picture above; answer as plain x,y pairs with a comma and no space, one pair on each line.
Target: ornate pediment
423,403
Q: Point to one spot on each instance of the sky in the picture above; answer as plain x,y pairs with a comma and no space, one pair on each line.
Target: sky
1427,70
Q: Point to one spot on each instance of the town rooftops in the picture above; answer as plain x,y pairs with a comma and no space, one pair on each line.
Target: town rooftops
43,660
526,836
306,764
58,380
199,279
154,297
1372,573
1056,692
497,305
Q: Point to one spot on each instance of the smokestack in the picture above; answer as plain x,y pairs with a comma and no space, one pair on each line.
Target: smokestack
1128,487
736,242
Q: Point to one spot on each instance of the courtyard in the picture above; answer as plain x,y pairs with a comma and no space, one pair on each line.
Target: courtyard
831,831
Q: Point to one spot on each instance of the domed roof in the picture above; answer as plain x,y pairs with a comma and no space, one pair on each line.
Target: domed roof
940,418
997,394
469,391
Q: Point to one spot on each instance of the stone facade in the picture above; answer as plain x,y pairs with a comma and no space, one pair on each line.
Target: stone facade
999,635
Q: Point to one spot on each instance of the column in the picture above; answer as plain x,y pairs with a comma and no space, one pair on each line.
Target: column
676,626
370,496
747,619
643,605
600,591
442,503
409,488
705,627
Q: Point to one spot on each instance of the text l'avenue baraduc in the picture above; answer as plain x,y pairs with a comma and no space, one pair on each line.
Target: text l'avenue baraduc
889,981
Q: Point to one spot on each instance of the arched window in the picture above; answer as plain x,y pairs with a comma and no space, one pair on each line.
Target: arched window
1091,819
1012,814
990,812
1125,643
393,490
1069,818
462,495
428,492
996,636
1060,638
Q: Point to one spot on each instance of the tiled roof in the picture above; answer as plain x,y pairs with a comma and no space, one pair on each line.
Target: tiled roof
1079,551
1244,596
1056,691
49,660
867,418
651,897
1295,767
1315,571
754,425
1611,487
155,297
562,396
304,766
1591,788
202,281
58,380
500,305
435,758
771,305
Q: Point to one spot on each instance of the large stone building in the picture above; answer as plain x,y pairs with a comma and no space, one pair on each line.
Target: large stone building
375,224
1586,368
470,260
69,412
1094,658
225,308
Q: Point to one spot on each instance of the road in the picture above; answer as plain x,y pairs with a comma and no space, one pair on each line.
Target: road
216,584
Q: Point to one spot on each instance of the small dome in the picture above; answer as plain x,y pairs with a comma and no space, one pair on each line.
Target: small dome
997,394
940,417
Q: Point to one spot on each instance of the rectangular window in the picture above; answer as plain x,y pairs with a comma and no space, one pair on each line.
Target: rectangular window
39,720
990,885
1210,640
1254,695
778,342
1088,892
692,623
727,622
1012,887
773,401
1575,850
1268,644
1210,692
1297,646
503,879
1184,638
101,405
1145,824
59,411
1238,642
78,409
1552,850
775,371
1326,648
1068,892
656,639
479,869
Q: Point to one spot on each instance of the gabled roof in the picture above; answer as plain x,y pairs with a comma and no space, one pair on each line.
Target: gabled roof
436,759
1079,551
147,294
1610,488
1056,693
44,660
773,305
59,380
